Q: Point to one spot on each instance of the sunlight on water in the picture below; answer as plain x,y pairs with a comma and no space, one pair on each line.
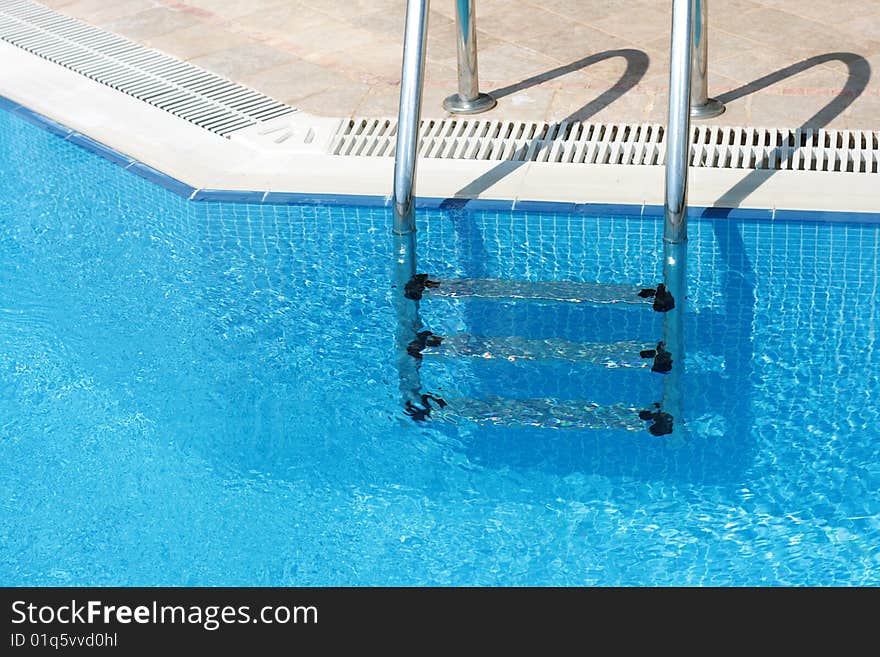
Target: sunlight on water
207,393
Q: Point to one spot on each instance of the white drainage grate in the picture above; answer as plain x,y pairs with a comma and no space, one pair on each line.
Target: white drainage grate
223,107
187,91
802,149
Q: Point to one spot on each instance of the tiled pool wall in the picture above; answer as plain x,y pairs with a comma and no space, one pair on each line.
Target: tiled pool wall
815,280
515,239
187,191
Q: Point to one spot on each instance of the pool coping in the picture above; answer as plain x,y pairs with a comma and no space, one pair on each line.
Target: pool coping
118,128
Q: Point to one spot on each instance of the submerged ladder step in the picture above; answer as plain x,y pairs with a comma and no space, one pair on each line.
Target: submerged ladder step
540,412
513,348
500,288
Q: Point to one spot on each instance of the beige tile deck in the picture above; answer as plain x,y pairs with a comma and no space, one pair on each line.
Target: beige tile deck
545,59
151,23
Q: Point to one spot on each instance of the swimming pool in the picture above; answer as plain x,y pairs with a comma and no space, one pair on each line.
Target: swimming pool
206,393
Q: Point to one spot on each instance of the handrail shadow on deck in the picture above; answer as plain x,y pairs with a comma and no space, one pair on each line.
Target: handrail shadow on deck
858,76
637,62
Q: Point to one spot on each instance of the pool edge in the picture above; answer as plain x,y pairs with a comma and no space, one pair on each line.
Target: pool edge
203,167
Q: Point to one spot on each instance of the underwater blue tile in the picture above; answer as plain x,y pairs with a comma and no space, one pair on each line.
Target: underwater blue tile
434,203
653,210
496,209
98,148
471,204
488,204
700,212
545,206
163,180
747,214
42,121
228,195
301,198
440,203
828,216
566,207
7,104
608,209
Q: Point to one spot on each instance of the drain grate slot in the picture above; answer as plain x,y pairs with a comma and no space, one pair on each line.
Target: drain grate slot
717,147
223,107
192,93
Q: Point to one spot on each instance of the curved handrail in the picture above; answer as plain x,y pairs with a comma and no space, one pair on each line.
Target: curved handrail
404,226
678,124
675,209
409,112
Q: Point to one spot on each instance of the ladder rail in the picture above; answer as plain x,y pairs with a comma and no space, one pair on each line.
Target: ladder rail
409,115
469,99
417,404
404,227
702,107
675,207
678,123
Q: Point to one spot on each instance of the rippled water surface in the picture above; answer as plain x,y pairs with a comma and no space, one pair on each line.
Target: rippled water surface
207,393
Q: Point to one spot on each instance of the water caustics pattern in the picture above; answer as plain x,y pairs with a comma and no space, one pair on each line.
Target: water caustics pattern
200,393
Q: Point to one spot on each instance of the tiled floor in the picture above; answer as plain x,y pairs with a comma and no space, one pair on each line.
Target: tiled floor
780,63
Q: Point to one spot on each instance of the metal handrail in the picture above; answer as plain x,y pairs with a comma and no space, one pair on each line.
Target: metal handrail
702,107
684,36
468,100
678,124
404,225
675,203
409,114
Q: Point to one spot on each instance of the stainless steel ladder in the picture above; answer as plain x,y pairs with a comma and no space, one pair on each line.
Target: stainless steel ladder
688,36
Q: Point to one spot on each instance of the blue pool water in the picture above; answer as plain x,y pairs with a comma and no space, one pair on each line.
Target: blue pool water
199,393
